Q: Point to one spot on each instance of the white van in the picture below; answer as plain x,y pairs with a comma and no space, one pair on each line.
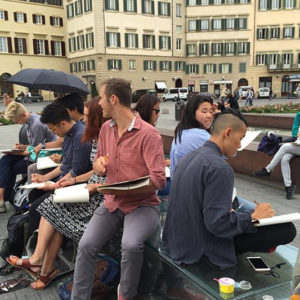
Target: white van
263,92
170,94
183,92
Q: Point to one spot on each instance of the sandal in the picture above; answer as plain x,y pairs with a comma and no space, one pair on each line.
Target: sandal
26,265
44,281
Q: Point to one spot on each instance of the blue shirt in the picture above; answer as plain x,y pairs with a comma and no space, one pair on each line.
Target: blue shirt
199,220
191,139
76,155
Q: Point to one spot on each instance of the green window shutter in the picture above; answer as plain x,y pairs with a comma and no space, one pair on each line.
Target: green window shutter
136,40
211,2
230,68
292,59
204,68
154,65
183,67
107,39
269,4
215,68
248,47
106,4
280,3
153,41
117,4
176,65
160,42
92,37
213,48
126,40
120,64
160,65
198,25
237,1
284,3
144,41
295,3
278,59
267,33
70,45
170,66
220,68
76,8
152,8
293,32
93,65
236,23
71,68
187,69
125,5
200,50
257,59
222,49
143,6
159,8
169,9
145,65
197,69
223,1
235,49
257,36
109,64
169,43
118,40
187,3
135,5
245,23
187,50
198,2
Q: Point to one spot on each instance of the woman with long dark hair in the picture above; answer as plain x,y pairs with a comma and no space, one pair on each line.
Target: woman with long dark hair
194,128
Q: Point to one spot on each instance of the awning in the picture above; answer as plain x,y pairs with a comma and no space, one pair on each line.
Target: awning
160,85
204,83
295,80
223,82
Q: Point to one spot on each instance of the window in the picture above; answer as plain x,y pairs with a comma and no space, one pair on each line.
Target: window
217,2
130,5
148,41
273,59
262,33
298,59
179,65
203,49
244,48
78,8
192,25
20,17
242,23
55,2
132,64
149,65
242,67
205,2
275,33
178,28
164,42
55,21
289,4
178,44
229,23
243,1
287,60
164,8
275,4
148,7
217,48
70,10
217,24
225,68
20,45
73,67
191,49
3,45
210,68
113,39
288,32
114,64
204,25
230,48
72,44
56,50
262,4
40,44
193,69
2,15
80,42
165,66
178,10
38,19
112,4
192,2
230,1
89,37
90,65
82,66
88,6
131,40
261,59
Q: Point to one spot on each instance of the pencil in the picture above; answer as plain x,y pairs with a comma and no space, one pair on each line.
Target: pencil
106,156
257,203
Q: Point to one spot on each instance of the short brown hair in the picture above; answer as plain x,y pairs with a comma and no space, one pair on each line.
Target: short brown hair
119,87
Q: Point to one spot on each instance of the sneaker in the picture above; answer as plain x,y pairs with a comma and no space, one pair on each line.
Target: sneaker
2,207
120,297
289,191
262,172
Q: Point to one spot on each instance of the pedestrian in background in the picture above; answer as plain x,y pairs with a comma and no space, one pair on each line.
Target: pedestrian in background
270,94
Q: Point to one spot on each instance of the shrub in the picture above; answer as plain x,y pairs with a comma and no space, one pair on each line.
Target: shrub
276,108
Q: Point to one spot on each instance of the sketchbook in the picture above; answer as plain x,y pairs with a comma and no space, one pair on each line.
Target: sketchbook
72,194
127,185
277,219
248,138
46,163
35,185
14,151
168,172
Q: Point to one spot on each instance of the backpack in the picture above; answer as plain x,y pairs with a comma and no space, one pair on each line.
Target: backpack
270,143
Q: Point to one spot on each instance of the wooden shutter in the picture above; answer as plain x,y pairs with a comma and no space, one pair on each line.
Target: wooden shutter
215,68
15,16
5,15
197,69
34,46
248,47
135,5
169,42
223,24
9,45
61,22
51,21
169,9
52,47
198,25
46,47
160,41
152,8
153,41
25,17
117,4
187,69
245,23
160,65
204,68
16,45
107,39
118,40
136,40
63,49
43,20
236,24
293,32
71,68
144,41
24,46
126,39
154,65
159,8
33,19
125,5
170,66
68,14
267,33
143,6
70,46
220,68
200,49
269,4
145,65
230,68
176,65
93,65
109,64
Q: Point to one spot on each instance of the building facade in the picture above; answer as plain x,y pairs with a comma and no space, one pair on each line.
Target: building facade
32,35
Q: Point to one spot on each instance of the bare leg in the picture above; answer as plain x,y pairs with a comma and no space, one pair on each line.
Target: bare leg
2,190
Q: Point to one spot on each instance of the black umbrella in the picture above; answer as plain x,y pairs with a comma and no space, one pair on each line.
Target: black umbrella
49,80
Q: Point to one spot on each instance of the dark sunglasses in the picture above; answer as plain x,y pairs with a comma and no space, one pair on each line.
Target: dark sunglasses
157,110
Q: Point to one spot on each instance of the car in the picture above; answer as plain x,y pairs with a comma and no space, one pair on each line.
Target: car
170,94
137,94
36,98
183,92
263,92
245,90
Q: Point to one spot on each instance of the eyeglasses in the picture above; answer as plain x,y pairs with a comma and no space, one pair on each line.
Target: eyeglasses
54,127
157,110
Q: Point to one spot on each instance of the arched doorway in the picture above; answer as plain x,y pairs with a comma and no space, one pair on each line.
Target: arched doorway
5,86
178,83
243,82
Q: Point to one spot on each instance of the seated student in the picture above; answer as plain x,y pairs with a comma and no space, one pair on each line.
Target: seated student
200,220
75,155
12,165
64,219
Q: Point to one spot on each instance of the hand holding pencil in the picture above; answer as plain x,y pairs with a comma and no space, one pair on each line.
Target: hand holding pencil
100,165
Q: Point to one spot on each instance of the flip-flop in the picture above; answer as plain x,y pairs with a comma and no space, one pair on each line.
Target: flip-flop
44,281
26,265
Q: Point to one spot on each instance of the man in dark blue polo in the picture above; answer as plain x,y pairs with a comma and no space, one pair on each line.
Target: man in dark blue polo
201,221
